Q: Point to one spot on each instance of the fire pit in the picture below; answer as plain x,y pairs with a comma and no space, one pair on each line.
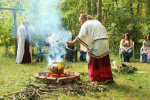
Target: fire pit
57,74
69,78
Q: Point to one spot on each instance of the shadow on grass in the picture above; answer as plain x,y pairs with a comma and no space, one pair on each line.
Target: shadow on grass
124,89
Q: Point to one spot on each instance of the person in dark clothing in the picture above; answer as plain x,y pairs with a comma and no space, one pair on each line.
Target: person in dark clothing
83,52
71,51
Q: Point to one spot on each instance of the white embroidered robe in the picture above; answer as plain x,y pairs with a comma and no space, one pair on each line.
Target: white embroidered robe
93,35
21,33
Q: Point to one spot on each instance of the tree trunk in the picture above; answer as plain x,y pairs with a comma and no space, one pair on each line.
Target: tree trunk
131,9
89,7
99,12
116,2
105,15
148,8
94,7
138,8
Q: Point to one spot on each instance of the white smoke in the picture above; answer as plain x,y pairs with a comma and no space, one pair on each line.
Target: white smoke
45,17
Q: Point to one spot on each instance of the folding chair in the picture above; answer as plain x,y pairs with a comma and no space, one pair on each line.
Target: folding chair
141,51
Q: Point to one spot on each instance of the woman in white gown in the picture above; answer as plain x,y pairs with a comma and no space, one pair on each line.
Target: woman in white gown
24,50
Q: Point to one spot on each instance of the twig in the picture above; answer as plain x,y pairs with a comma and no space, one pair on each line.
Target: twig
35,91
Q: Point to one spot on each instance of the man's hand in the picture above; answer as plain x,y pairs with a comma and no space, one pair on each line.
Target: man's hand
69,42
81,50
74,49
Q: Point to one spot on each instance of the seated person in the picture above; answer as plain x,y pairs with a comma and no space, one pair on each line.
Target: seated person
41,55
126,47
83,52
146,49
71,51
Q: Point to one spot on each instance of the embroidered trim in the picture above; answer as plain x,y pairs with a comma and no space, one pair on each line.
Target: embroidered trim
83,43
91,54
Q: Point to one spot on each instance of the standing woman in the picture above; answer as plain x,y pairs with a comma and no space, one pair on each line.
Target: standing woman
126,47
146,48
24,50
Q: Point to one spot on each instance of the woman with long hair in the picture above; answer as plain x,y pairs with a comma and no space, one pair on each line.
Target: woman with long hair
146,48
126,47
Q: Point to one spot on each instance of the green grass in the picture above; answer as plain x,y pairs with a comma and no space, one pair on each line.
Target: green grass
134,86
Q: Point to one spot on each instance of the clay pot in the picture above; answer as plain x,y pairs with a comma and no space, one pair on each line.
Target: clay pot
55,70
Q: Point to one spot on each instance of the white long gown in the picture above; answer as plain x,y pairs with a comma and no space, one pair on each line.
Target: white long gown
21,32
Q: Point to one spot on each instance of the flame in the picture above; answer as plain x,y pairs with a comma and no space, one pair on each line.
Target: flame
66,72
51,74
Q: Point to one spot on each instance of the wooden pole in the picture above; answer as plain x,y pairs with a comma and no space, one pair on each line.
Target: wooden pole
12,9
15,30
99,12
15,24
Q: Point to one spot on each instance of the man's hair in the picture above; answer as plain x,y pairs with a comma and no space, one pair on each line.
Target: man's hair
89,17
83,16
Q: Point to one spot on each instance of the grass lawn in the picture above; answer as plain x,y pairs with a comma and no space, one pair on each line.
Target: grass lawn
134,86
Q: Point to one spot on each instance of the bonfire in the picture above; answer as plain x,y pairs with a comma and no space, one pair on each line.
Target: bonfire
57,69
57,73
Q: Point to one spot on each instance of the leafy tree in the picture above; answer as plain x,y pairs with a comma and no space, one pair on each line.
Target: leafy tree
119,17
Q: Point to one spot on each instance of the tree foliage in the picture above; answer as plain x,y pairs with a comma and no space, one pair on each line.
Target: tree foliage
118,16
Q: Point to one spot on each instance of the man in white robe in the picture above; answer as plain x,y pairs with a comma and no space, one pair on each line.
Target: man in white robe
93,36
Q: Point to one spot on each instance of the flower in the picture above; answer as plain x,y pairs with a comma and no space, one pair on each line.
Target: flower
60,65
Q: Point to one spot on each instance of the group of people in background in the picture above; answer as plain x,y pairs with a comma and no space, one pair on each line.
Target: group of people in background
94,47
126,48
24,51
